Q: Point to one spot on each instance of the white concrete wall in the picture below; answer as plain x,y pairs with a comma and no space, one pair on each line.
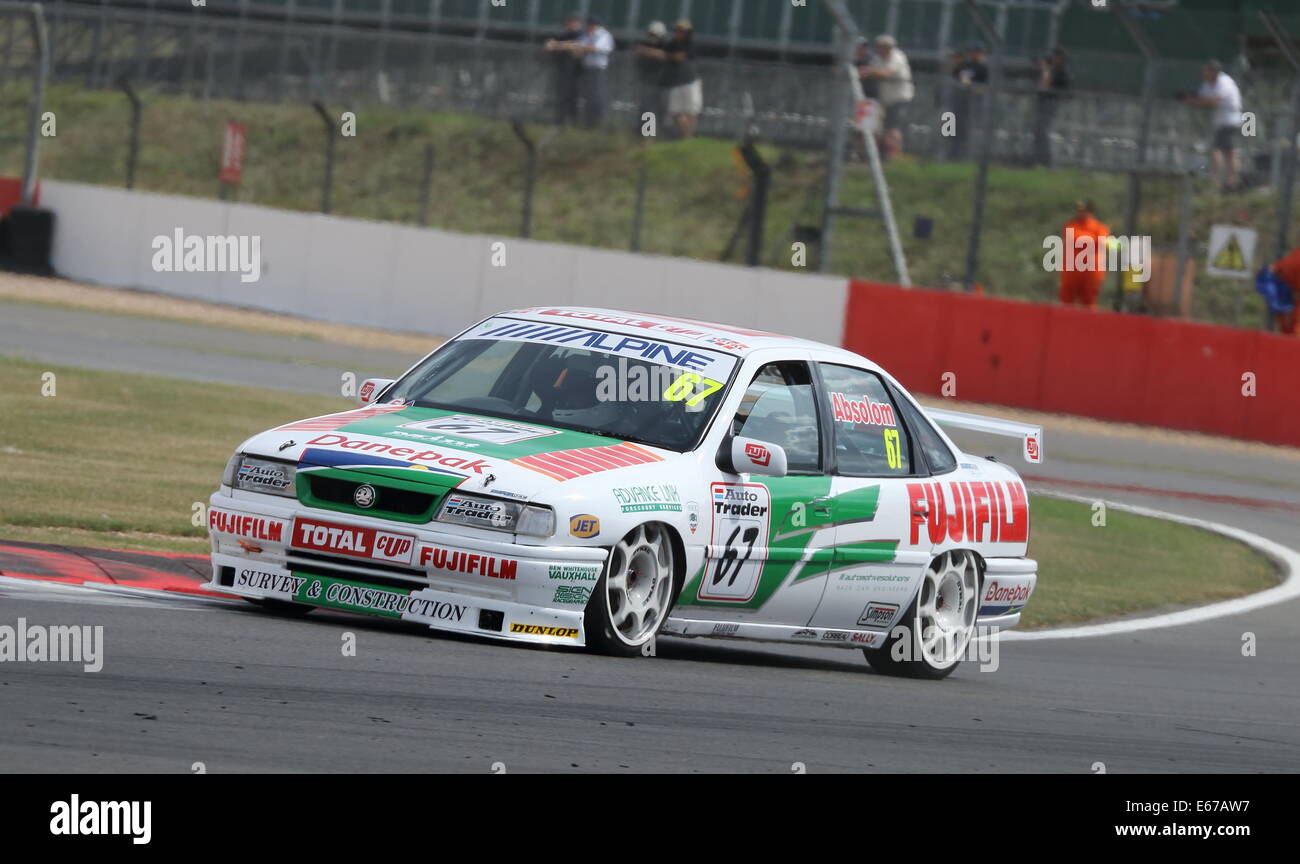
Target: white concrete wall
399,277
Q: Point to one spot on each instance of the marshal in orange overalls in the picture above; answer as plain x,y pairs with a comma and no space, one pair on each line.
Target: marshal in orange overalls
1084,286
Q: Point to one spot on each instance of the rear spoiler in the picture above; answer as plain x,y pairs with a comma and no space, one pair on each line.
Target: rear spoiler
1031,435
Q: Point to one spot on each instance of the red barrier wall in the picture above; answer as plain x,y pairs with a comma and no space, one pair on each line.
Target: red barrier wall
1069,360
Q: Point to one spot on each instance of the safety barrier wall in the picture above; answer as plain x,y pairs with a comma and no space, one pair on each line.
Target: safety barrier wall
1067,360
1133,369
400,277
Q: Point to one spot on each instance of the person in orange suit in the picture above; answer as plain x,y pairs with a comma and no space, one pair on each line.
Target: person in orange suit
1287,268
1084,286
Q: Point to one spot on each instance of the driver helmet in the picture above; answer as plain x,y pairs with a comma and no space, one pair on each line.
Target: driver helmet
572,389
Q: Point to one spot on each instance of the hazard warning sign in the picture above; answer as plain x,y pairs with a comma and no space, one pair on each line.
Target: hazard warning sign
1232,251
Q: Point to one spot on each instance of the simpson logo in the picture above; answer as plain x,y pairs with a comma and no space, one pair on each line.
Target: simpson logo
878,615
454,561
644,324
539,630
758,454
353,540
995,511
866,410
584,525
242,525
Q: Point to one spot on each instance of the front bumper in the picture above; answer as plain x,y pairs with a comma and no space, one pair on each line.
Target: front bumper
266,547
1008,583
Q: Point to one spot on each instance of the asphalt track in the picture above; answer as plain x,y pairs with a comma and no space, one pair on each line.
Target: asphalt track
189,680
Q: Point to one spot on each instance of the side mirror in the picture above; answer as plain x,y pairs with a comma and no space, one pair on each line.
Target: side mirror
751,456
372,387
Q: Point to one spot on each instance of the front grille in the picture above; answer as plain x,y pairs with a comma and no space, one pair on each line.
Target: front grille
389,499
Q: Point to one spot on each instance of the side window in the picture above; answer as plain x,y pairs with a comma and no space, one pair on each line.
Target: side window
779,407
937,453
870,441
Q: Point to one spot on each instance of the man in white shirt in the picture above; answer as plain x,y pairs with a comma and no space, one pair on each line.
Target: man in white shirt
593,50
892,73
1220,93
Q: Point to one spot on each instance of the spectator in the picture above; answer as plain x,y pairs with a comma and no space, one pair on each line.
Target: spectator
889,68
686,91
1053,81
1287,269
593,51
862,63
651,73
1084,286
1220,93
567,70
972,72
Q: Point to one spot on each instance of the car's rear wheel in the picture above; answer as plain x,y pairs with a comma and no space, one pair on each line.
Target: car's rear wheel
634,594
936,630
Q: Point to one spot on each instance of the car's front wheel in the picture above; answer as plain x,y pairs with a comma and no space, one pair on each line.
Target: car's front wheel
933,636
634,594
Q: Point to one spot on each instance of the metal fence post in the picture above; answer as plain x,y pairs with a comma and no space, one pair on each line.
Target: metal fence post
530,177
1287,47
327,182
133,144
759,183
991,36
1184,241
638,207
426,184
41,42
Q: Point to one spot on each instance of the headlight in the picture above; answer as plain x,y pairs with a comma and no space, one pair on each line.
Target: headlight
267,476
480,511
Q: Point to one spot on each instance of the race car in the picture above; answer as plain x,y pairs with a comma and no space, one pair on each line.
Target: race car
589,477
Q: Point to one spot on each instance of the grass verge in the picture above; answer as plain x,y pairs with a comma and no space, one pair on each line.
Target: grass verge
120,461
1132,564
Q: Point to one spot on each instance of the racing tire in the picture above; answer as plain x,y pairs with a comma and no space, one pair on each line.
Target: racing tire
933,635
634,595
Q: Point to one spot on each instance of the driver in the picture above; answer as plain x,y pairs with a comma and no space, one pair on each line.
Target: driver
569,387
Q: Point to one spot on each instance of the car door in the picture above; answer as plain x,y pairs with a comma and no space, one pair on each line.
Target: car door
764,531
880,547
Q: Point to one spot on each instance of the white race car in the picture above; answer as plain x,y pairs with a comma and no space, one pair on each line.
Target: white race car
570,476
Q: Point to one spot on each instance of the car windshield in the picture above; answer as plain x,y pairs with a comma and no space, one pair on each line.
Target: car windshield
631,387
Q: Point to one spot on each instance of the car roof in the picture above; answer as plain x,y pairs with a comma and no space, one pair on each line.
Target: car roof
728,338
